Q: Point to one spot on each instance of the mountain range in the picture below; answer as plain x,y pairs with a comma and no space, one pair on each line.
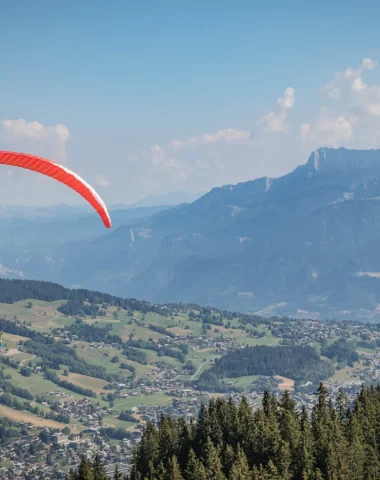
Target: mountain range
303,244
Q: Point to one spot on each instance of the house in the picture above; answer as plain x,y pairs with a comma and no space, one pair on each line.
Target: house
59,438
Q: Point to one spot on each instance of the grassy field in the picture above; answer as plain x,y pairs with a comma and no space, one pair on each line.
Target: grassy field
127,403
94,384
286,383
28,417
42,315
344,374
36,384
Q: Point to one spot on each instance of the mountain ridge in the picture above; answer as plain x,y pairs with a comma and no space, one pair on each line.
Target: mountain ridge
293,245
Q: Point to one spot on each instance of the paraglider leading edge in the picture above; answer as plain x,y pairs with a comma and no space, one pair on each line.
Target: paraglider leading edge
61,174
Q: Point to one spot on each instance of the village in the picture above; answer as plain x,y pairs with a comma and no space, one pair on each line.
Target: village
90,432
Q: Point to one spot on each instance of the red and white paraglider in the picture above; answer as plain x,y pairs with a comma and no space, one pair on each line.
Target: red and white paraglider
60,173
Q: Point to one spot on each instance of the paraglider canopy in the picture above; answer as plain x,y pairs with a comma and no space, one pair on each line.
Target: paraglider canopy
60,173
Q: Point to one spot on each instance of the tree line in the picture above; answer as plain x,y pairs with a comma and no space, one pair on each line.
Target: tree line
16,290
278,441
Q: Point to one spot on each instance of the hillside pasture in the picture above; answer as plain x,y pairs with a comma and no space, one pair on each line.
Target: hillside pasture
95,384
27,417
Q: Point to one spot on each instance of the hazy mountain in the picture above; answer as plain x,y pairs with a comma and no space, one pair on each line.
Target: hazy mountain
305,243
60,224
171,198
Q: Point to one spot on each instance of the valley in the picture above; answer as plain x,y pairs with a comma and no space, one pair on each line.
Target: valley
97,367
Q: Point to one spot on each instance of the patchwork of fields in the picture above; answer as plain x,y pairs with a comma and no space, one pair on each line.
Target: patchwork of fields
175,349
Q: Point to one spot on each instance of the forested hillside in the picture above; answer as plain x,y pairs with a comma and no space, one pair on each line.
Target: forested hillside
295,362
15,290
276,442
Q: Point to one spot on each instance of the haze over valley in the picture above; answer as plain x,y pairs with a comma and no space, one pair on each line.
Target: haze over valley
304,244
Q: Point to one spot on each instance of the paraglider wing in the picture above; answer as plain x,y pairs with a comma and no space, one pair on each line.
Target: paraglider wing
60,173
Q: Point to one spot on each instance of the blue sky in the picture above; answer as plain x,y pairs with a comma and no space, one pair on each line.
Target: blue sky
127,78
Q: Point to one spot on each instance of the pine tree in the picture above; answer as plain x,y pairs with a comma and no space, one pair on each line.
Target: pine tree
202,430
303,460
342,405
194,469
167,437
240,469
289,423
356,454
117,475
230,423
271,472
184,441
216,432
174,471
160,472
371,467
85,470
320,429
148,450
228,460
338,447
151,471
212,462
284,462
98,469
245,422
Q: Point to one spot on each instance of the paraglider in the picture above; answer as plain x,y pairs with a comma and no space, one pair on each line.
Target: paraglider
60,173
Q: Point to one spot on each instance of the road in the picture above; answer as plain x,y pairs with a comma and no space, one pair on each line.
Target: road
198,370
27,360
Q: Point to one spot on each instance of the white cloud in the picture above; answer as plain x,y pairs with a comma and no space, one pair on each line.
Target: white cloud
102,181
275,122
225,135
329,131
289,99
211,158
351,77
369,64
358,85
353,119
270,122
271,144
34,137
368,101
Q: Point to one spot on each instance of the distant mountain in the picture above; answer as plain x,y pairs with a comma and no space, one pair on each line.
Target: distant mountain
171,198
48,212
59,224
303,244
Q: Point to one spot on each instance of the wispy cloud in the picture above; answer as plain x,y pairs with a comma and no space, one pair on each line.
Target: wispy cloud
203,154
225,135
